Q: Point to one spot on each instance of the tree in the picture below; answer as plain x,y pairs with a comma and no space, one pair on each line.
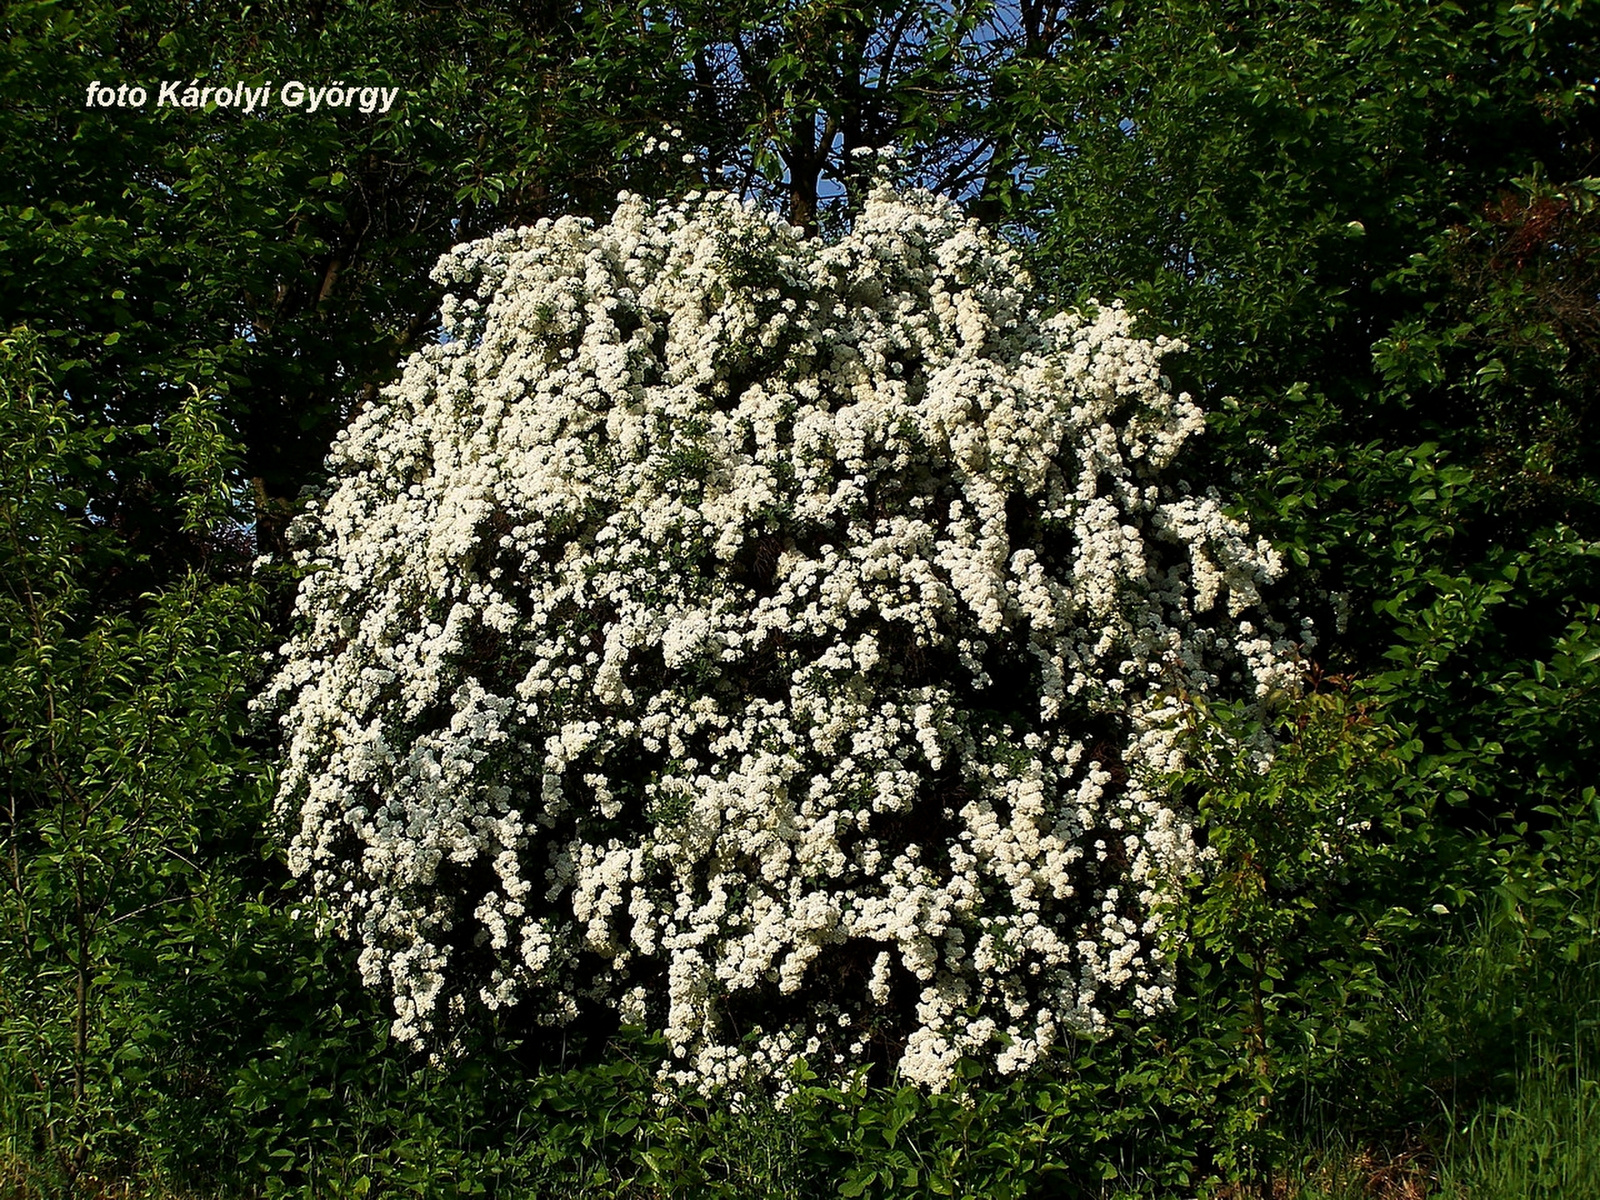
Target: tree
1296,191
277,258
1374,224
802,90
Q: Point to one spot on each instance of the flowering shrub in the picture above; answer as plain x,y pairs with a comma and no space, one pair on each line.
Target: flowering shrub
779,644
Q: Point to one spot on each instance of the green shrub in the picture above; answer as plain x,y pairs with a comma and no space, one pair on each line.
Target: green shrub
122,778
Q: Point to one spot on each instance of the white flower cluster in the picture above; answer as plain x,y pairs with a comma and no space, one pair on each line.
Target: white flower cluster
779,644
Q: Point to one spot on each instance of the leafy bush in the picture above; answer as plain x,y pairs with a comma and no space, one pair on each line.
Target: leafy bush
779,644
119,773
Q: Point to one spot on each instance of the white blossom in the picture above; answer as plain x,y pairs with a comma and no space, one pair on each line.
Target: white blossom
780,643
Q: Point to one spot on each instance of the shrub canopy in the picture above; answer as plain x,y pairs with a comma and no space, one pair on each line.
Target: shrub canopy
780,644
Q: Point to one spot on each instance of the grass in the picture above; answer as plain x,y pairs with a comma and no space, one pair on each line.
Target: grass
1537,1134
1507,1034
1541,1143
1544,1143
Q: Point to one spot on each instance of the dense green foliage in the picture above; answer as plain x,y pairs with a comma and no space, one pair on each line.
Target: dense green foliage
1376,224
123,784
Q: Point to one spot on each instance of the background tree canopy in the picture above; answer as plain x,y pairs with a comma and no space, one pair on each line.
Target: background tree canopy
1377,225
281,259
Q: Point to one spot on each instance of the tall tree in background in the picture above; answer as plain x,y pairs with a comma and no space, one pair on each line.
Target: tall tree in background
279,258
1379,215
961,89
1378,228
